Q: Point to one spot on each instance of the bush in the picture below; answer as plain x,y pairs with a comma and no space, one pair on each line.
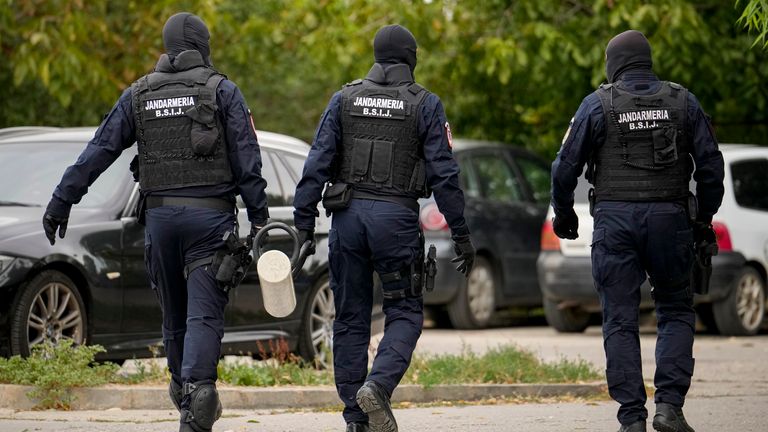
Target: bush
55,369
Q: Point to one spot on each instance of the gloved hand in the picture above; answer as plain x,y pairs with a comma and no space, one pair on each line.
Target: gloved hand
307,235
56,218
465,254
566,225
255,228
703,233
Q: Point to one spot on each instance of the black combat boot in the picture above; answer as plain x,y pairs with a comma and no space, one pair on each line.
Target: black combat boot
357,427
669,418
638,426
373,400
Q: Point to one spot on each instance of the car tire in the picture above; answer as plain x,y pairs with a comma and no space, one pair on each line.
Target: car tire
742,312
49,307
475,303
316,337
565,320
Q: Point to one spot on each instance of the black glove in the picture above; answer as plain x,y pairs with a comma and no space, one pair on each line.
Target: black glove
255,228
56,218
305,236
465,254
705,238
566,225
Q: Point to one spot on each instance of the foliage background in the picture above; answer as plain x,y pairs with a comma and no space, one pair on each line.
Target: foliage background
513,71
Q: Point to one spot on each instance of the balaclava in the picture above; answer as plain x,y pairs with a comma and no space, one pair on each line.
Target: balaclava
628,50
185,31
395,44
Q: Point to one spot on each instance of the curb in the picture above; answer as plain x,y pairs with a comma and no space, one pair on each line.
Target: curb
154,398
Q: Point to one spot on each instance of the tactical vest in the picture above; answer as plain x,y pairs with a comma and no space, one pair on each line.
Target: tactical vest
179,134
380,150
646,155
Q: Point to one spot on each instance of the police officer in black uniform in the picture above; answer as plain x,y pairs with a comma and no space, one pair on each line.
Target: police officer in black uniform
382,143
197,150
640,138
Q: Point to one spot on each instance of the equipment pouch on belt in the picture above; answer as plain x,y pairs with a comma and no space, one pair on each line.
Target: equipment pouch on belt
337,197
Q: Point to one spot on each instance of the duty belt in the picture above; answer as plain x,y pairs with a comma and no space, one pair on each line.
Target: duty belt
211,203
410,203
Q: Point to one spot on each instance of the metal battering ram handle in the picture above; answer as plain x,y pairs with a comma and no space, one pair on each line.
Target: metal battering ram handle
300,252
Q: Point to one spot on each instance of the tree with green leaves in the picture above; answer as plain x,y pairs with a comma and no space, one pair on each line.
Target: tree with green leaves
511,71
755,19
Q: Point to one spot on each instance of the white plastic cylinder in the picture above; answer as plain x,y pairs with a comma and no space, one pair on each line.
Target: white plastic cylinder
274,268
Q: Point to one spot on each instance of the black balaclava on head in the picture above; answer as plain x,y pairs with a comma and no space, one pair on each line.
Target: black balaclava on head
628,50
185,31
395,44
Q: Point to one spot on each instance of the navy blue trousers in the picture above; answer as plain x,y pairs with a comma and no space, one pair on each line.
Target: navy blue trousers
630,241
193,309
367,236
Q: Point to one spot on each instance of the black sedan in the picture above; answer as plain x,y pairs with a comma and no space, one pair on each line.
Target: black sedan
92,287
507,196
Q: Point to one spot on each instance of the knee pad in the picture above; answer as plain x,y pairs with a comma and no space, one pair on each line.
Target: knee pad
204,406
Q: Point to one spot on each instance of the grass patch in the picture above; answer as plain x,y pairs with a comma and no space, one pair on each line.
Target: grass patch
271,373
506,364
55,370
503,365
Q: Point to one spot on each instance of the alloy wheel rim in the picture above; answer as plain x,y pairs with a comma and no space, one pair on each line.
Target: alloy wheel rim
480,290
55,315
323,313
750,302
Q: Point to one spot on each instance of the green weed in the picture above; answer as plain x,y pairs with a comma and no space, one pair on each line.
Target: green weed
55,369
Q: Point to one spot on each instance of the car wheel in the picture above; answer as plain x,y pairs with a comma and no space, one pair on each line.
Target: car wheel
316,341
565,320
741,313
48,308
475,302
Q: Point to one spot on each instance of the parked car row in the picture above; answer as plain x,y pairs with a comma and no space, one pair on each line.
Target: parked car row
91,286
521,262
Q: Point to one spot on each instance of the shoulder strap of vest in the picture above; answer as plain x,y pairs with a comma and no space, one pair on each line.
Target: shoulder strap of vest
214,81
353,83
415,88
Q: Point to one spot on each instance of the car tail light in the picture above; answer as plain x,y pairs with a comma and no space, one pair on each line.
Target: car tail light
549,241
431,219
723,237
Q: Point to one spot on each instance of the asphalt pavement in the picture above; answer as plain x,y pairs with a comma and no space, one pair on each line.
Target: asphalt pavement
729,393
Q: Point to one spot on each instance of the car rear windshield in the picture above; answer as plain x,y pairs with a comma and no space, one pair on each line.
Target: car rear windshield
750,183
30,171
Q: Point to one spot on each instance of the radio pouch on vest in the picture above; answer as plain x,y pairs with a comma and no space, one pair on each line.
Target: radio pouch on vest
204,135
337,197
664,146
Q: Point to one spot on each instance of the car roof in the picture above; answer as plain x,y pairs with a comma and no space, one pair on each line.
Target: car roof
739,151
81,135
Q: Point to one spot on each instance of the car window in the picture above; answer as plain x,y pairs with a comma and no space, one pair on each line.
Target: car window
750,183
295,164
537,176
287,177
468,179
495,177
34,169
275,196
